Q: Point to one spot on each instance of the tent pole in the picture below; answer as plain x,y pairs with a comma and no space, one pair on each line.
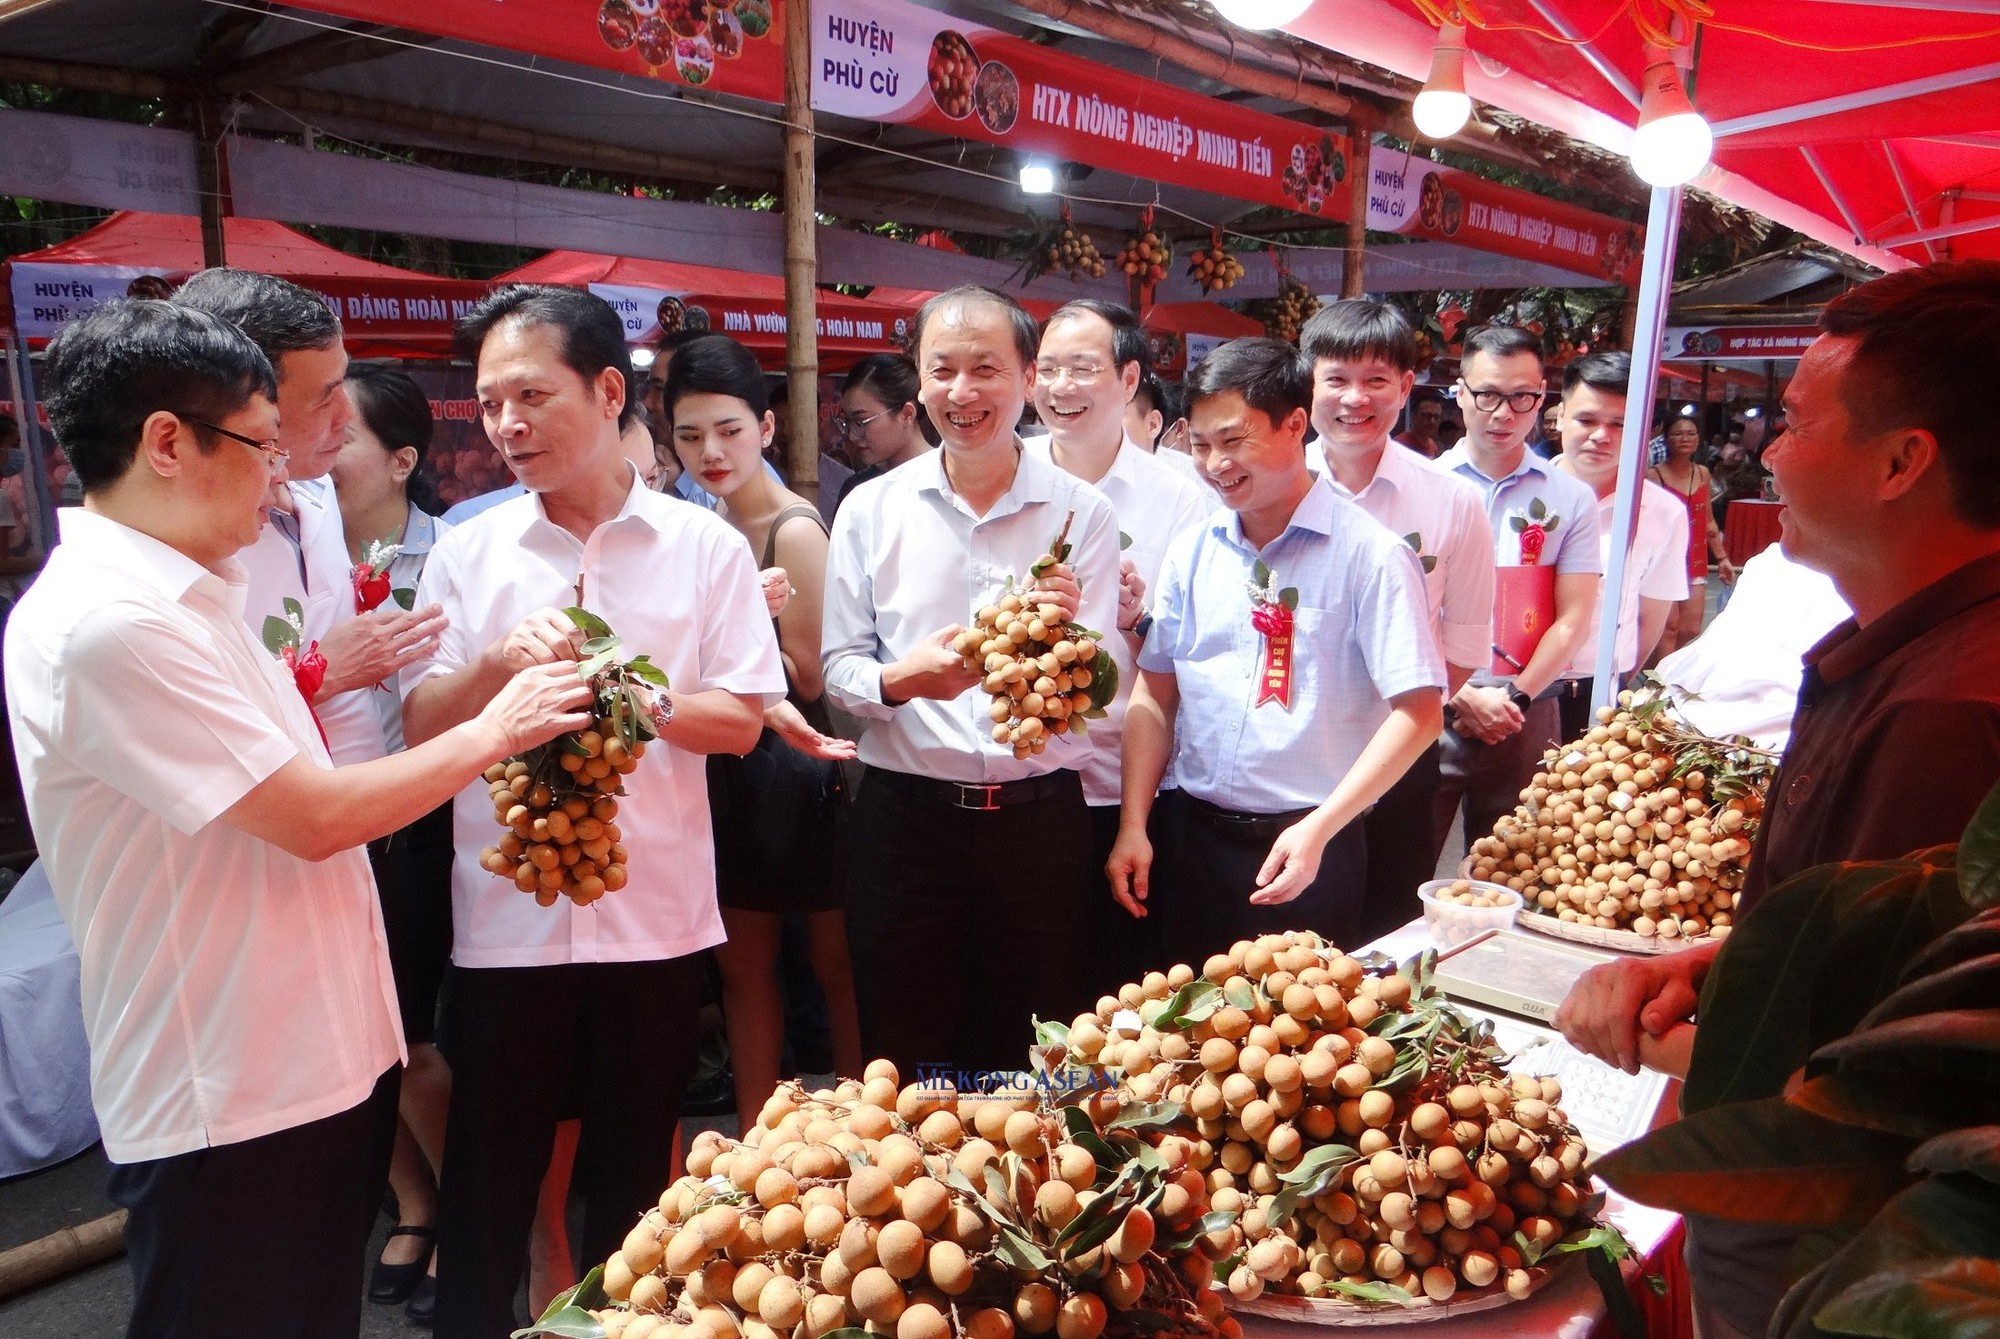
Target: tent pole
211,181
801,263
1354,260
1663,228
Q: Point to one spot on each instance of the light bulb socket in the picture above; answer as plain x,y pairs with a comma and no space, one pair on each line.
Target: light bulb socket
1671,143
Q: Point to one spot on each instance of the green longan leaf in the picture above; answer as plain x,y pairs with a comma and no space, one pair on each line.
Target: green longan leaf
1099,1218
1241,996
1049,1032
278,634
1146,1116
597,645
589,624
1317,1172
1103,682
565,1315
642,668
1381,1294
1193,1003
1603,1237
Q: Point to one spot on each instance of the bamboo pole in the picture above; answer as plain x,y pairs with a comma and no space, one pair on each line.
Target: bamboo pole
801,262
211,182
62,1253
1353,275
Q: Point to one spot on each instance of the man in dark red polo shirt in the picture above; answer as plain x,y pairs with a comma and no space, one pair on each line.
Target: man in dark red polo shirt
1890,470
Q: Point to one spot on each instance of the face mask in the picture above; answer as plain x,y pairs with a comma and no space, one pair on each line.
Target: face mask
13,462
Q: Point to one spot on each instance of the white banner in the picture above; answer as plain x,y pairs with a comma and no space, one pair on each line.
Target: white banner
107,164
48,297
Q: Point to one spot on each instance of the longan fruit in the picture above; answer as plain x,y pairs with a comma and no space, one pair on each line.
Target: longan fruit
876,1296
1035,1308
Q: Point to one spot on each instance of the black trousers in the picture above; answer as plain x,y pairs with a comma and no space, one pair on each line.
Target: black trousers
530,1046
1488,778
1402,848
1573,707
266,1238
965,925
1205,868
1121,946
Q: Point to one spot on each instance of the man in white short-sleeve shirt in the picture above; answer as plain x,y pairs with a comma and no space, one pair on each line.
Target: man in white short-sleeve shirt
201,846
1086,371
1591,430
301,555
1363,355
541,1000
914,555
1289,657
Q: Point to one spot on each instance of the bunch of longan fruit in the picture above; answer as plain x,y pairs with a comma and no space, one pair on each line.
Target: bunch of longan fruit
1072,250
1290,310
1362,1159
562,836
917,1212
1040,671
1213,267
1641,825
1145,256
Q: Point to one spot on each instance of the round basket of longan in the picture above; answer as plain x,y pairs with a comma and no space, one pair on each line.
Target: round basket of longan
1380,1165
1636,836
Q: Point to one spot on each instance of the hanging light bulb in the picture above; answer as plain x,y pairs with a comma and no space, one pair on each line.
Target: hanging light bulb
1261,13
1038,178
1672,143
1443,108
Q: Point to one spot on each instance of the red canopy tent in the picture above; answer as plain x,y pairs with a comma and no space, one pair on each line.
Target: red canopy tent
656,295
1871,125
386,311
1180,334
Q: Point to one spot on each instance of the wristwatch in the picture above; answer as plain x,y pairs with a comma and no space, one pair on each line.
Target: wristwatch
1520,699
1143,626
663,710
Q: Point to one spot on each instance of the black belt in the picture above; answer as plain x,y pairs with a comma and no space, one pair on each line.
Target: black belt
980,797
1263,827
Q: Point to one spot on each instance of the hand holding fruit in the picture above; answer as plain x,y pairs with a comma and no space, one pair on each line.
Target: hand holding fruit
1056,584
933,670
537,704
372,647
1610,1004
543,637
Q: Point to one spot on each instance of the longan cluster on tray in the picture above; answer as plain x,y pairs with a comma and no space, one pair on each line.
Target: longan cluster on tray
1641,825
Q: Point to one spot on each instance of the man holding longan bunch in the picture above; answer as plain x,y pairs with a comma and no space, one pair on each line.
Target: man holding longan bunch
970,863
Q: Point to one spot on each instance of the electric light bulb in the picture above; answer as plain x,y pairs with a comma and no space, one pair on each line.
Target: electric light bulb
1672,143
1261,13
1038,178
1443,108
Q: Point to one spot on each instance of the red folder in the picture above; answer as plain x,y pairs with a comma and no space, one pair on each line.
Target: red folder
1524,604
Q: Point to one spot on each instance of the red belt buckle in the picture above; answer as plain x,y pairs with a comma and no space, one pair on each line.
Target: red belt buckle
986,793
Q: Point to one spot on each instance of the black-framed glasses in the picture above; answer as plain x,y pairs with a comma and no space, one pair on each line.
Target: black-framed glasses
849,424
1521,402
273,457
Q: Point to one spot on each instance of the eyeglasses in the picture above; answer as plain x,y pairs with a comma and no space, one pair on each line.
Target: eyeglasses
1521,402
1080,374
849,424
273,457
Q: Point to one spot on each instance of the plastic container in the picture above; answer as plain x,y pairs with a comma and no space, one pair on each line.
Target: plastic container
1453,923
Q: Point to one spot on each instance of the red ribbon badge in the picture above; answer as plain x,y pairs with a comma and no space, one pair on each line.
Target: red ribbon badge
371,587
308,673
1274,681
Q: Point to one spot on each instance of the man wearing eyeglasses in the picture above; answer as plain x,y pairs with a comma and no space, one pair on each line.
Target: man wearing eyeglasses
1086,371
302,553
203,849
1547,570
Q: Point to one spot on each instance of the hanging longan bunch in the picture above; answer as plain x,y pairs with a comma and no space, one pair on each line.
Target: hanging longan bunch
917,1212
558,802
1145,254
1046,677
1073,251
1214,268
1641,825
1290,310
1360,1130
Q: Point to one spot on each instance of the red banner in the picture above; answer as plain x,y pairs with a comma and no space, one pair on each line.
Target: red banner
719,46
888,61
1419,198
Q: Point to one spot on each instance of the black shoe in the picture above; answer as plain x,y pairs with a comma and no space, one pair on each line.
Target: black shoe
423,1304
710,1094
390,1284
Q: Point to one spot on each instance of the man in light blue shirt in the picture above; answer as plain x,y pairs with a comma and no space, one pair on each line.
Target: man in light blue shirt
1541,517
1291,655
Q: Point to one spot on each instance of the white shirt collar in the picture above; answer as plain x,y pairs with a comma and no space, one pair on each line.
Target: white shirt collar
159,564
641,504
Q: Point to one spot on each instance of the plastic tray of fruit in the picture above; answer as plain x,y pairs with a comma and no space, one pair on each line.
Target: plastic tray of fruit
1342,1312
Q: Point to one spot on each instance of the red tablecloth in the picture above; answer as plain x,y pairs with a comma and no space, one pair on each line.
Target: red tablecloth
1749,527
